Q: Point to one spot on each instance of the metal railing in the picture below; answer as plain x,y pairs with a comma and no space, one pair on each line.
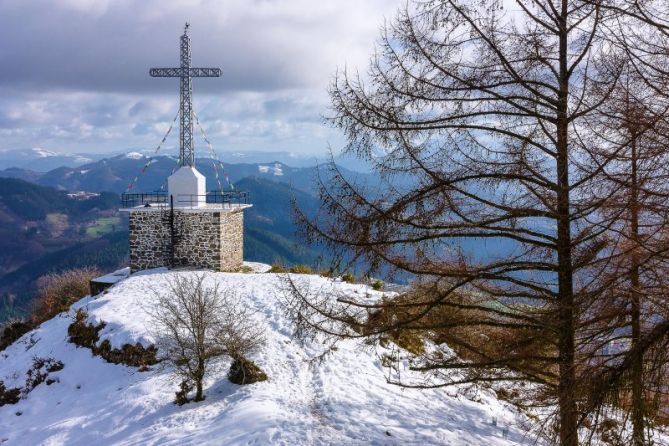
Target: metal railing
161,199
144,199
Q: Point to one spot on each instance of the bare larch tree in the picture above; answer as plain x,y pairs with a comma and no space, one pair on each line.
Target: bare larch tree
480,121
635,124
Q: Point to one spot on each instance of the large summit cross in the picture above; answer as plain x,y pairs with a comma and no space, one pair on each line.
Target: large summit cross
202,229
186,73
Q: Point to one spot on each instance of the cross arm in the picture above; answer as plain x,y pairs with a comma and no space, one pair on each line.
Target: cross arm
183,72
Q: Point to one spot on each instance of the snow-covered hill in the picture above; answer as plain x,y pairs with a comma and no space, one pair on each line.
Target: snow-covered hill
344,400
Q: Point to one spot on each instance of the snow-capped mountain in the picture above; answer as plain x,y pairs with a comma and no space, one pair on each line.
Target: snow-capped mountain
134,155
42,160
42,153
343,400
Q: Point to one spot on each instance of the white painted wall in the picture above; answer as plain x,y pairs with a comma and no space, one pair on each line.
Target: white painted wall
184,183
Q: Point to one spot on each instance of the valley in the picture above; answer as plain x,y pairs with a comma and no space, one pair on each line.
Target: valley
68,217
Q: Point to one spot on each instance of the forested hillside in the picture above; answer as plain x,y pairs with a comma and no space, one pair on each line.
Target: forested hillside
43,230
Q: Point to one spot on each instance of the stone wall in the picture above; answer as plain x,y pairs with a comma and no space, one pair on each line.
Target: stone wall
203,239
231,241
149,238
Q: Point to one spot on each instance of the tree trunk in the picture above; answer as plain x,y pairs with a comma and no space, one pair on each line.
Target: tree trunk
198,380
635,284
567,376
566,344
198,393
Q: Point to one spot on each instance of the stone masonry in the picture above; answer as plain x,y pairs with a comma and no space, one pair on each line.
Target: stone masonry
204,238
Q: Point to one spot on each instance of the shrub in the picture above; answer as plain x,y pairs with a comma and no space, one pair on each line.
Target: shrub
348,278
39,372
243,371
57,291
607,424
301,269
505,394
12,331
277,268
83,334
9,396
409,319
607,432
377,285
131,355
88,336
182,394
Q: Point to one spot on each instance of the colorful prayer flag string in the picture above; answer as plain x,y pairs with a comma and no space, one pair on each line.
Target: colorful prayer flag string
152,158
174,169
217,163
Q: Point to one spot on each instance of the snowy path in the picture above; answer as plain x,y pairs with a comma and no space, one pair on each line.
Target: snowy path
341,401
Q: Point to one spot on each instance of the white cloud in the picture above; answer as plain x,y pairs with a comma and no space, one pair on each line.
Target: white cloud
74,73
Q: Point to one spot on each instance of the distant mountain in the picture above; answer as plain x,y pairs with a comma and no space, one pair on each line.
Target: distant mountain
44,230
39,224
18,287
269,228
42,160
294,159
258,157
117,173
22,174
36,220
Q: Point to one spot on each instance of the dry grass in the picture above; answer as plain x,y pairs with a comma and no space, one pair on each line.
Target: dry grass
57,291
301,269
277,268
401,320
349,278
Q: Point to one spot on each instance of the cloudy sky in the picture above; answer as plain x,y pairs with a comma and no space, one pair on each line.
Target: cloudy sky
74,73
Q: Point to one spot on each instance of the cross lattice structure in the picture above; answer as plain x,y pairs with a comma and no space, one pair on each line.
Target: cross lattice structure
185,72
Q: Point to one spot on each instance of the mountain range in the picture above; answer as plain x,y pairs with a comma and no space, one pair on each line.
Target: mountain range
42,160
45,226
136,172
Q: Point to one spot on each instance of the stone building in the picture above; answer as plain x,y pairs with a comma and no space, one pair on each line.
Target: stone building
186,226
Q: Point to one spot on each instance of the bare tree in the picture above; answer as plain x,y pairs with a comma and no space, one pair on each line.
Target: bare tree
196,324
639,120
480,122
635,124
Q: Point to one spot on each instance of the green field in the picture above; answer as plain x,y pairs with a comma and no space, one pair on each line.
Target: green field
103,226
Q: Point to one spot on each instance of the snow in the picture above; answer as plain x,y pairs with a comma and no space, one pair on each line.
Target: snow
42,153
275,170
114,277
257,267
343,400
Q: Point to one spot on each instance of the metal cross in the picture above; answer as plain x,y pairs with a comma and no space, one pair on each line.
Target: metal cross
186,73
